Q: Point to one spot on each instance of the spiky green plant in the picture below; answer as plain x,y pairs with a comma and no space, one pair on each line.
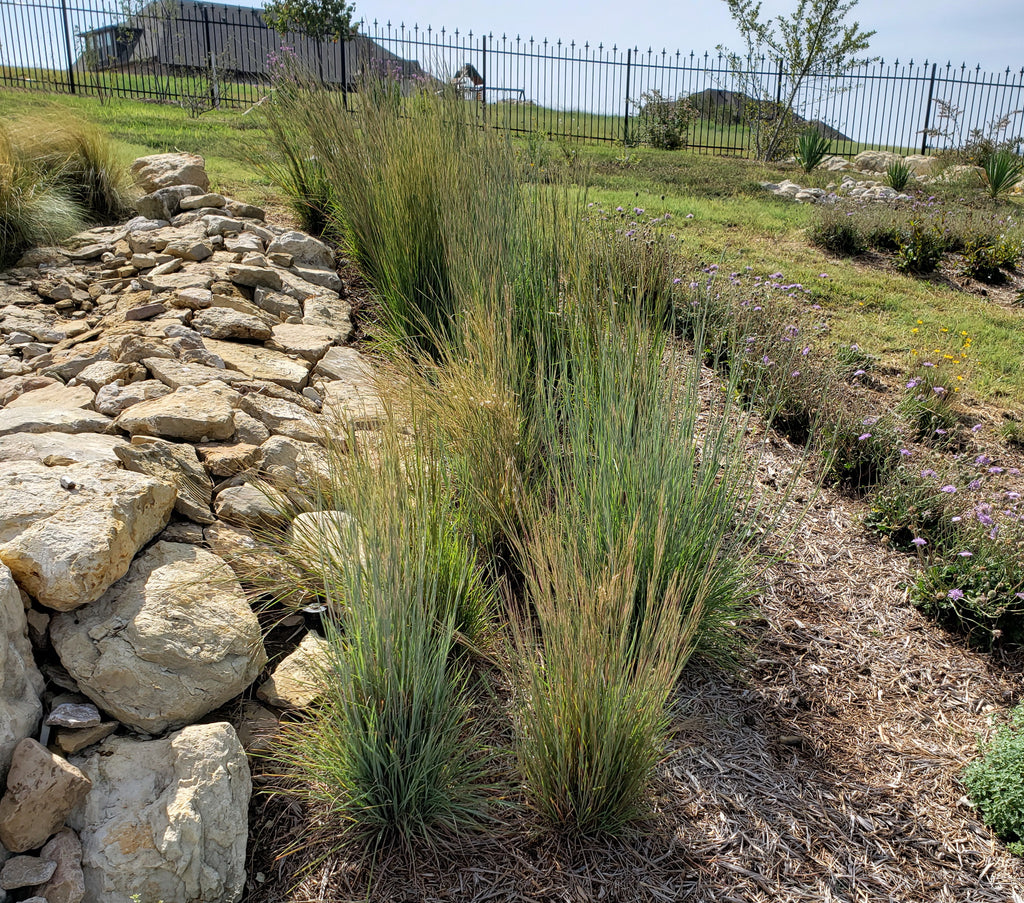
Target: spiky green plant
811,148
1002,170
897,175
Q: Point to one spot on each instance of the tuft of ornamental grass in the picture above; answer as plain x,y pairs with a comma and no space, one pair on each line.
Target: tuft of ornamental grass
393,752
80,158
34,210
638,559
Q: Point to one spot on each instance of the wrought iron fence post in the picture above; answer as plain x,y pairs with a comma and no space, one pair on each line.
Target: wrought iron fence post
483,75
67,46
214,86
928,112
625,125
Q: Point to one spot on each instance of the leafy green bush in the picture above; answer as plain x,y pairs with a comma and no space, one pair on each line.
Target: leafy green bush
995,782
986,257
921,248
907,506
811,148
664,123
1001,171
858,455
898,175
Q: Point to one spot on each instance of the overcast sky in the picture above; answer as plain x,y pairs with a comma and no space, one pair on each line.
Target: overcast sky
989,32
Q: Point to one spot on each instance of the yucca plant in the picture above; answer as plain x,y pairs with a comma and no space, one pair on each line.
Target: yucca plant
811,148
1002,170
897,175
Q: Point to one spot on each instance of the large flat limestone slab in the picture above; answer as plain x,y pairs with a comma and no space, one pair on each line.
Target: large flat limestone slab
68,533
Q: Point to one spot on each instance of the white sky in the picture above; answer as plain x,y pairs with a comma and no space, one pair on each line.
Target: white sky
989,32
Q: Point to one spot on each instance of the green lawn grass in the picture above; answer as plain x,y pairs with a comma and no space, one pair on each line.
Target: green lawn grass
734,223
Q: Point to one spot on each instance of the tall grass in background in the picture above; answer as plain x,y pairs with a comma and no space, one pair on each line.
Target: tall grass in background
606,496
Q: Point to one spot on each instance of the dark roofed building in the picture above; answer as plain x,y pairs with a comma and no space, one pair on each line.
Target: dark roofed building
185,35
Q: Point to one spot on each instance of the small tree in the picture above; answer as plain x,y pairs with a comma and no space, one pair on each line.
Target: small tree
813,38
317,19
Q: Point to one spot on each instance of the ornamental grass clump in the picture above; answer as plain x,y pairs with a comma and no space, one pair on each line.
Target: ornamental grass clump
35,208
638,559
811,148
392,752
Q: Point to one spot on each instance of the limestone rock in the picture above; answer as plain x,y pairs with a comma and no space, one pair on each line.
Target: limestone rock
171,641
875,161
260,363
297,682
20,681
192,413
161,170
70,741
290,459
163,203
330,312
248,506
42,789
257,727
56,396
67,883
309,342
203,200
225,460
167,819
345,364
74,715
922,165
102,373
175,374
60,449
277,303
254,276
353,405
225,323
282,417
249,430
47,419
116,398
303,249
177,464
70,532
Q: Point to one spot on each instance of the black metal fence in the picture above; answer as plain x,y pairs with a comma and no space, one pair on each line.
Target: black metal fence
203,55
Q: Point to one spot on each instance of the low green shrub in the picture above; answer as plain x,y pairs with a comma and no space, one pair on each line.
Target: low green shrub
921,247
908,506
995,782
860,452
986,257
837,232
664,123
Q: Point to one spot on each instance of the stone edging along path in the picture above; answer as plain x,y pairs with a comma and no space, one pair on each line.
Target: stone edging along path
146,372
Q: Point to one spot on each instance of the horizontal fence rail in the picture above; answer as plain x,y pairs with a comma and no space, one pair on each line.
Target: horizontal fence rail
205,55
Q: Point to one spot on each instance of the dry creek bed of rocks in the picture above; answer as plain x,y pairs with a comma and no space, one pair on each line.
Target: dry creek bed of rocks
148,372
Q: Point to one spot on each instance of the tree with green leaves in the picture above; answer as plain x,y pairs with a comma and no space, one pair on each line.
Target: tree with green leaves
317,19
814,38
